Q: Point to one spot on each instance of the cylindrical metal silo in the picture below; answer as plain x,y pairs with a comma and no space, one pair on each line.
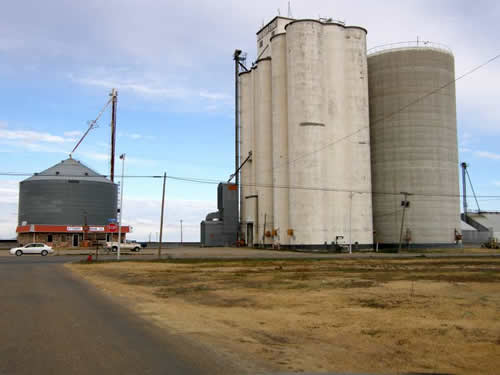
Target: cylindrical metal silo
68,193
262,154
306,131
280,137
414,144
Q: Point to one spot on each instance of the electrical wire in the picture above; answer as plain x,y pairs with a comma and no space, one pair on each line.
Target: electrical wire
401,109
269,186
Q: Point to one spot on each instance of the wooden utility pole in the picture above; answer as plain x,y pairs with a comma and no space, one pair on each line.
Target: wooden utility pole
405,203
114,99
162,210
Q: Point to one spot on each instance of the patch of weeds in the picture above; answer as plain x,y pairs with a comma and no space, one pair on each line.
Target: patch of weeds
378,304
348,284
372,332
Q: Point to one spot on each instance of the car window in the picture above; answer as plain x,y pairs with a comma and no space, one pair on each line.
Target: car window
30,245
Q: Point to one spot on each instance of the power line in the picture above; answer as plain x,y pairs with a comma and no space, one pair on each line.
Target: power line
401,109
270,186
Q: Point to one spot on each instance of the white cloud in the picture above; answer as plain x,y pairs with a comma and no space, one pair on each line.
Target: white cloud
100,156
138,88
30,136
213,95
9,192
151,90
135,136
35,141
144,216
73,133
487,155
496,183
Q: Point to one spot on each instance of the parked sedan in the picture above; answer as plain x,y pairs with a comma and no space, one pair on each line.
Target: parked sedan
32,248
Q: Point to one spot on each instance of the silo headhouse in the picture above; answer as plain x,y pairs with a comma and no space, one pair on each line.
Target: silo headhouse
68,205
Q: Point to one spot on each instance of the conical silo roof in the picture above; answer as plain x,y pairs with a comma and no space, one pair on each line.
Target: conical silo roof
69,169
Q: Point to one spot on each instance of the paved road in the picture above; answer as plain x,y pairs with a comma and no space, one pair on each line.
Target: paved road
52,323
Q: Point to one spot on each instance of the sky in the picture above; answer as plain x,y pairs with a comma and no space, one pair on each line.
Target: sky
171,63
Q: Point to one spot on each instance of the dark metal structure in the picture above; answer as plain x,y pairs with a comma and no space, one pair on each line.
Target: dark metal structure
69,193
220,228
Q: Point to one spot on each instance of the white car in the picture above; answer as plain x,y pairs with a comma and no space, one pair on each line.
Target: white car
127,245
32,248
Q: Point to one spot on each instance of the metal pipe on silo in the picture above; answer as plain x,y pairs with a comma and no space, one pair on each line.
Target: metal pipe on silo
414,149
280,138
262,154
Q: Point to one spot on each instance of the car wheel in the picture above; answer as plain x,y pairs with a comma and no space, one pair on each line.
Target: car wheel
114,249
19,253
137,249
44,252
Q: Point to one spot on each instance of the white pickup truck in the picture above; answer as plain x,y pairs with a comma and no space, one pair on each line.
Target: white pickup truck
113,246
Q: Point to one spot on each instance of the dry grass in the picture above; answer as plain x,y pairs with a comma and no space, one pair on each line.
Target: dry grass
382,316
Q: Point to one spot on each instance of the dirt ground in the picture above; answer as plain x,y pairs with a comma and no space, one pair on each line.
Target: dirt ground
354,316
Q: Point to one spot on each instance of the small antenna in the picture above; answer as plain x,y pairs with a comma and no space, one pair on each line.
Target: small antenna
279,12
289,10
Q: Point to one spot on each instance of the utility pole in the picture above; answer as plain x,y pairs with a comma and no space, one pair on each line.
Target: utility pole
162,210
122,157
405,203
181,232
114,100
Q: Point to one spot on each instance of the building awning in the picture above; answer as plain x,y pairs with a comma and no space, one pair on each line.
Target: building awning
71,229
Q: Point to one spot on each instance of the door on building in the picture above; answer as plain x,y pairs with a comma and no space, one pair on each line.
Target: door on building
75,240
250,234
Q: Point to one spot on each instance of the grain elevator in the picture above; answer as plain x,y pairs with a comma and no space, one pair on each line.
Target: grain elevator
328,130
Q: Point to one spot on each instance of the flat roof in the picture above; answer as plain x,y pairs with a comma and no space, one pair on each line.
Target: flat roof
267,24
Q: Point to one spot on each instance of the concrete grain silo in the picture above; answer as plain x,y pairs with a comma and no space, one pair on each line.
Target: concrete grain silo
414,144
327,101
280,138
310,92
262,152
247,214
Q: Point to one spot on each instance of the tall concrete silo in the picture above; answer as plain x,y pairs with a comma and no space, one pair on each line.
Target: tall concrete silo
306,59
262,153
280,138
312,177
328,100
414,144
247,188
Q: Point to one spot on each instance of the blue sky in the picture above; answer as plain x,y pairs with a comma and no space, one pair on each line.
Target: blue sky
171,63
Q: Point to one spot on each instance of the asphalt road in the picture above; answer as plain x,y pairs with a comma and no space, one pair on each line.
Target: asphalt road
52,323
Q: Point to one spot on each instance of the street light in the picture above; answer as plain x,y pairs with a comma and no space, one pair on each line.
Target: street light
122,157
